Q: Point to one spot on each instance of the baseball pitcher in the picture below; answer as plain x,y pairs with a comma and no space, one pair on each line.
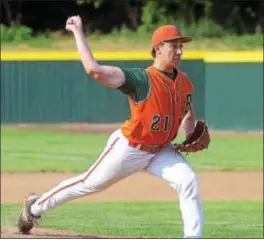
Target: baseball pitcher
160,100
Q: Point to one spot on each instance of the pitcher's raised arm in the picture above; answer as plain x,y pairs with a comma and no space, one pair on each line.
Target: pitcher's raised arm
108,75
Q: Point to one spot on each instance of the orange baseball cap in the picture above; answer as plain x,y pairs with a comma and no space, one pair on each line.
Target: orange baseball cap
168,33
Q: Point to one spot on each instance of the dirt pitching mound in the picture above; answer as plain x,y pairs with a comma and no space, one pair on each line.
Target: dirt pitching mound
12,232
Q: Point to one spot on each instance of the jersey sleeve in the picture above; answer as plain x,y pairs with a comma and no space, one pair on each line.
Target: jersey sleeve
136,85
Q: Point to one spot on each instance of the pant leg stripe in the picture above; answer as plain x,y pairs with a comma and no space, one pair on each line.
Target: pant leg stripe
101,158
98,161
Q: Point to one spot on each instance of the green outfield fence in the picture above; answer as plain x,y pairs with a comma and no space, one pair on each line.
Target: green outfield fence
52,87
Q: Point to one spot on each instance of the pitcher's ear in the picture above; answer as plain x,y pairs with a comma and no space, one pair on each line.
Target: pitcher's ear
157,48
153,52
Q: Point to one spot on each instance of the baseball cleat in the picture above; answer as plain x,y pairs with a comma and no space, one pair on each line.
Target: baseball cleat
26,220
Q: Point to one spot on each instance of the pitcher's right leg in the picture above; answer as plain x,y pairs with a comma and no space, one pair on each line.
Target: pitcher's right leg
117,161
101,174
68,189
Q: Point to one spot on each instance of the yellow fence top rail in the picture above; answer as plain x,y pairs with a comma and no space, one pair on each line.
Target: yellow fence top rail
234,56
208,56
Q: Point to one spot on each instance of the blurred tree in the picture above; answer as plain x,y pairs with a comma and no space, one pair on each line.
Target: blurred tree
96,3
236,16
11,12
239,16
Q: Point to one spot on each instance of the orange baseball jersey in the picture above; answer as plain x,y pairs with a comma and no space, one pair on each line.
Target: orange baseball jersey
156,119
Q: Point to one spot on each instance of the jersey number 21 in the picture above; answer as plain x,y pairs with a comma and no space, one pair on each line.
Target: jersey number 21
156,123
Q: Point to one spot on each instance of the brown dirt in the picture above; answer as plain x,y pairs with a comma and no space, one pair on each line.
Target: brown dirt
139,187
11,232
109,128
69,127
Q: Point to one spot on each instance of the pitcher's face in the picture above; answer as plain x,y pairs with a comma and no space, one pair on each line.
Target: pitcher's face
170,53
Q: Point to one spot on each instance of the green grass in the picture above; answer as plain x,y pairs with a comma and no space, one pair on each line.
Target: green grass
124,41
47,151
24,150
162,219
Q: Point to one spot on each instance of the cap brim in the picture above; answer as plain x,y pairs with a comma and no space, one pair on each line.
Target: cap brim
182,39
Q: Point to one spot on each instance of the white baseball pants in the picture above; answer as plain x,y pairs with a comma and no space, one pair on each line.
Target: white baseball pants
119,160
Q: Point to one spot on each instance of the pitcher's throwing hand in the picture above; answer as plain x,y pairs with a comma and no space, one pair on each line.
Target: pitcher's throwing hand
74,23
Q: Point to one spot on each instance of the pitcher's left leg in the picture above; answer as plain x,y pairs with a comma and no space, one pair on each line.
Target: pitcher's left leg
172,167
